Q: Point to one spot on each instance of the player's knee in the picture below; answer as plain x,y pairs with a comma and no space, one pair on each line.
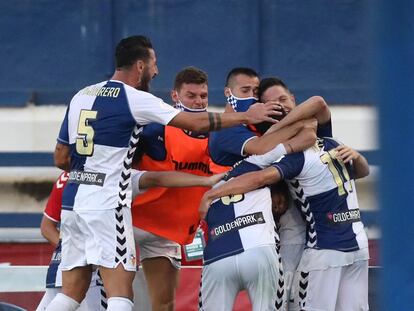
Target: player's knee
120,303
76,290
119,290
118,282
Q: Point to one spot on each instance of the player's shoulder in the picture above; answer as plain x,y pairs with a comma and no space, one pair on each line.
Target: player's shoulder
231,132
153,141
328,143
153,130
86,94
131,91
297,158
236,129
240,168
92,89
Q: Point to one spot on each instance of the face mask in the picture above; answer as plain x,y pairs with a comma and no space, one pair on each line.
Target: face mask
240,104
179,105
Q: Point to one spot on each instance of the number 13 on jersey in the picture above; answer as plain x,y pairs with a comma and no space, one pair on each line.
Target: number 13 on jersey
84,141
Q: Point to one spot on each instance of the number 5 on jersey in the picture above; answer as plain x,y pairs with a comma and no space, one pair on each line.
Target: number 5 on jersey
84,142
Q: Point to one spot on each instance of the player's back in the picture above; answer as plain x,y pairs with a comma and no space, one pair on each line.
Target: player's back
240,222
324,189
102,126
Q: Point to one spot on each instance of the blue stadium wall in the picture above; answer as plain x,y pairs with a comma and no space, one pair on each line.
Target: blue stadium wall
52,48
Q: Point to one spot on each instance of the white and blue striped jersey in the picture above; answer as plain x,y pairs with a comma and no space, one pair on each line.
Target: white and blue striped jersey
324,189
240,222
226,147
291,224
102,126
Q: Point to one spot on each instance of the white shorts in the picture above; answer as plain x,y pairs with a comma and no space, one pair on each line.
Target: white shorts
94,299
257,270
335,289
103,238
151,246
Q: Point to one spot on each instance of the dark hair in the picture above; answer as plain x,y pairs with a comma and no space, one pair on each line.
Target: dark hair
268,83
131,49
263,86
190,75
280,188
240,71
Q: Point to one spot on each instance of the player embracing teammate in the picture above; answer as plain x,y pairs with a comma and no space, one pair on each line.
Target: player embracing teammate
96,145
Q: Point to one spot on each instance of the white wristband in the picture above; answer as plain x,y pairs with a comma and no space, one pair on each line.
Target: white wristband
265,160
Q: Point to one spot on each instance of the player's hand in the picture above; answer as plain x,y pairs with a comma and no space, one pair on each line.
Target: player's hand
214,179
204,205
277,106
260,112
346,154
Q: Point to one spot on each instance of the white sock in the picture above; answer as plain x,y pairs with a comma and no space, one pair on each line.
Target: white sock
61,302
264,160
120,304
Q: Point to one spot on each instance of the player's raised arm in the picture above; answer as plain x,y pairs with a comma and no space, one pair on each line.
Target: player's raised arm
254,180
210,121
241,184
304,129
176,179
314,107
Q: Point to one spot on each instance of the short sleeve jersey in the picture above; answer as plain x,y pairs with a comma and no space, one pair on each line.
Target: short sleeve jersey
54,203
291,225
226,147
135,178
239,222
324,189
101,127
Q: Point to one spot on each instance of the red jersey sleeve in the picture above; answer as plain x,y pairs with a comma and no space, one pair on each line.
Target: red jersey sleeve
54,203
